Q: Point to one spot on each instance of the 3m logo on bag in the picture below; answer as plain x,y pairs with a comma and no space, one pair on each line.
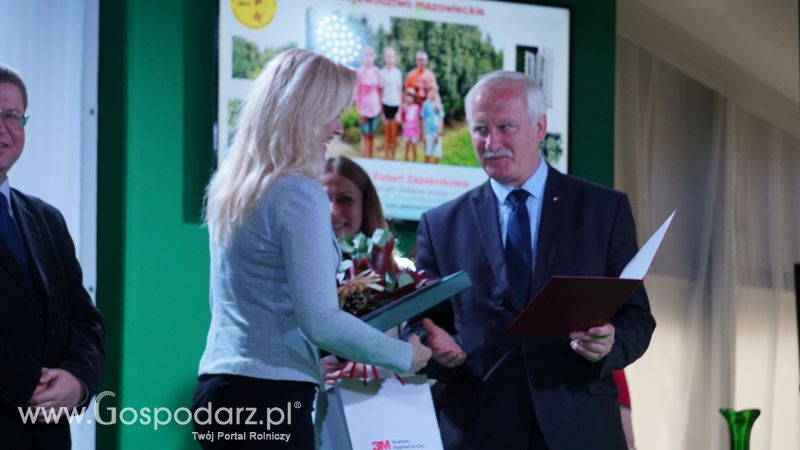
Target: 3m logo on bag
381,445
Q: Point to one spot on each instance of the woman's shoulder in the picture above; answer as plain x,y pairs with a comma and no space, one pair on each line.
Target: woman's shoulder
294,196
294,179
292,189
290,184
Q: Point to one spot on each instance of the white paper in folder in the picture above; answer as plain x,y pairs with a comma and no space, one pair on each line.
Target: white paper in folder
638,266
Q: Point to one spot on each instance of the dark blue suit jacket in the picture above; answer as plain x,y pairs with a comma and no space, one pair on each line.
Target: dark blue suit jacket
506,382
50,324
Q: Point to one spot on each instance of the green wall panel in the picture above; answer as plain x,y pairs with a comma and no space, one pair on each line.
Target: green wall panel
111,197
156,155
593,37
592,93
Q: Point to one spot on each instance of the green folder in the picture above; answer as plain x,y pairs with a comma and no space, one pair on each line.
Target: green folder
417,302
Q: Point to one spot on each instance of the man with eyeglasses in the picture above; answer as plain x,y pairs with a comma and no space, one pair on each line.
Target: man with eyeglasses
52,338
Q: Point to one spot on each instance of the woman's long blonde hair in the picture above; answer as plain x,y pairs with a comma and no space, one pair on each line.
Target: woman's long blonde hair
280,131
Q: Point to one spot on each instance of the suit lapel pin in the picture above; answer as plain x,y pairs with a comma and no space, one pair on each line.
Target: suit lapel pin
555,199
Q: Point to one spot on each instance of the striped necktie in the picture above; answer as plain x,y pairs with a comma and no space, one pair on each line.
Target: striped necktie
518,251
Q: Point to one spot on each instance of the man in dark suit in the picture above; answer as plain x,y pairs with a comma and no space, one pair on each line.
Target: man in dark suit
52,339
511,234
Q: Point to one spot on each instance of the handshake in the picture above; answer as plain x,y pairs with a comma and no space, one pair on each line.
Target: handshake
441,346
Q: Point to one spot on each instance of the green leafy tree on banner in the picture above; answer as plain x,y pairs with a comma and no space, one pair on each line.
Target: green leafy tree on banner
457,55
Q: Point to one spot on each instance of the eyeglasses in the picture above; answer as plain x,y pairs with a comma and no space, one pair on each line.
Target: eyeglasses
13,119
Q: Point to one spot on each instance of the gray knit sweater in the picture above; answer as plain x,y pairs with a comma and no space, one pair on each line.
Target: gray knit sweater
273,294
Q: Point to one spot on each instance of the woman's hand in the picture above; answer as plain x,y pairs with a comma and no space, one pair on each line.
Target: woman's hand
351,369
421,355
334,370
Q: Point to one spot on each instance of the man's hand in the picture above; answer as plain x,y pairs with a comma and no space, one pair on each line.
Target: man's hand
593,344
57,388
446,350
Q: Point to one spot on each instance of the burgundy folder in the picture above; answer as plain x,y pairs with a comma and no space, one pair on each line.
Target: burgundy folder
567,304
577,303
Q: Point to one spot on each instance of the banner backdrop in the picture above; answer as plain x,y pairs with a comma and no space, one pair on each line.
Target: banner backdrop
438,48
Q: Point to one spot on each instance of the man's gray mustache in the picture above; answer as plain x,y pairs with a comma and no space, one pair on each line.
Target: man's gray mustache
502,153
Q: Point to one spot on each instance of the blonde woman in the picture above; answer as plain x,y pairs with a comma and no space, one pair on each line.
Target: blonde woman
273,264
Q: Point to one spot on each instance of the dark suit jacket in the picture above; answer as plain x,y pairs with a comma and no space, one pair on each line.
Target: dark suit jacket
50,324
491,400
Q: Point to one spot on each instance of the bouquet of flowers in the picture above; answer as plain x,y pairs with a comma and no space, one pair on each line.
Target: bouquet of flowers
369,276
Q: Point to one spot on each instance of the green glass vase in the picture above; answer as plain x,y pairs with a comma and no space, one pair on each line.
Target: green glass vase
739,425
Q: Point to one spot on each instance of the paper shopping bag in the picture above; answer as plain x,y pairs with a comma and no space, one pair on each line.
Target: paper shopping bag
384,414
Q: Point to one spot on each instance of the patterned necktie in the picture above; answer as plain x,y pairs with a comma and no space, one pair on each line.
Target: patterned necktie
9,234
518,246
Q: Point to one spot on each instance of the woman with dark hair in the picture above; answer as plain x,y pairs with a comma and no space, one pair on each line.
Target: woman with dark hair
355,205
